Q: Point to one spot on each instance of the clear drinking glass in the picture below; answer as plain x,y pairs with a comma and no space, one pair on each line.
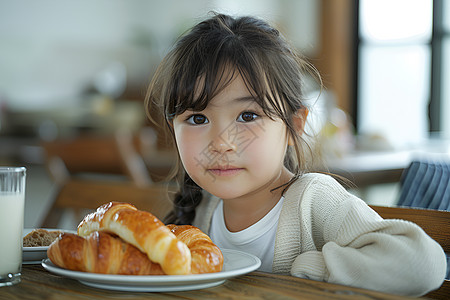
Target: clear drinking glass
12,203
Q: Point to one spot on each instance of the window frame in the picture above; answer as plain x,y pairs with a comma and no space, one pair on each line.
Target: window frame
438,34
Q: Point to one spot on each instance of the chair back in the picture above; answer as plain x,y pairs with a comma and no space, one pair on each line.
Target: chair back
435,223
81,196
96,154
426,184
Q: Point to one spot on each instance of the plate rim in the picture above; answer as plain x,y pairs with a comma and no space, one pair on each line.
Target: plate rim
147,289
157,282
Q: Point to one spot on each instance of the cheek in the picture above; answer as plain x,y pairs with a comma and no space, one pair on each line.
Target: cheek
189,148
270,142
185,148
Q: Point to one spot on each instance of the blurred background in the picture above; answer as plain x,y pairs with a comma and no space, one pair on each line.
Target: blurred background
77,71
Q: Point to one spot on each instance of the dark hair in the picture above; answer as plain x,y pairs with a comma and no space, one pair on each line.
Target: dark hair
198,68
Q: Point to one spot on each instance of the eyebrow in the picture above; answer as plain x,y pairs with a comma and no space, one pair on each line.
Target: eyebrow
244,99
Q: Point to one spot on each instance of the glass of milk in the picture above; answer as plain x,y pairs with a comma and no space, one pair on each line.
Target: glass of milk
12,203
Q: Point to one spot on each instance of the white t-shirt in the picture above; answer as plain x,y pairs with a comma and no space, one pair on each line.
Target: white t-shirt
258,239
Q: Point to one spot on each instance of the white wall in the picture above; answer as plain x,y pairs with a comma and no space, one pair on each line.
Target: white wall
50,50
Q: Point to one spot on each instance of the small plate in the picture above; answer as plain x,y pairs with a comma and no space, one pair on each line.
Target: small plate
35,255
235,263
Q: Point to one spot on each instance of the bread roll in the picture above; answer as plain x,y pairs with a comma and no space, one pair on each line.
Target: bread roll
100,252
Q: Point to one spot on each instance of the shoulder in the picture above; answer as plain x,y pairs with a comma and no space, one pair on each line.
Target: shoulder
320,194
317,184
317,178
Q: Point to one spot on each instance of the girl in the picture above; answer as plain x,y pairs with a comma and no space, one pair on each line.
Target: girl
231,95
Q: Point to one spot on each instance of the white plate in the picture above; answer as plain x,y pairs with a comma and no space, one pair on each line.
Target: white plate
35,255
235,263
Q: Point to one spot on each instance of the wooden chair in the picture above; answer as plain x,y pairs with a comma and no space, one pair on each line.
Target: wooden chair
83,196
435,223
92,154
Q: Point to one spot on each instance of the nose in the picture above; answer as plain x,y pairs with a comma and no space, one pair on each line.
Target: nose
221,144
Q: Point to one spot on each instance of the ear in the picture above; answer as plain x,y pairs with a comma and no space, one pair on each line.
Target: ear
299,120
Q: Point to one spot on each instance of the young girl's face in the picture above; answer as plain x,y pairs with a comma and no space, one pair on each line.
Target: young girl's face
231,148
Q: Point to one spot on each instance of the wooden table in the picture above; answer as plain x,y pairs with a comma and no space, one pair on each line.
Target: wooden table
37,283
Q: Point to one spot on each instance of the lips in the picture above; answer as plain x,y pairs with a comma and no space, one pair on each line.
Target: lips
225,171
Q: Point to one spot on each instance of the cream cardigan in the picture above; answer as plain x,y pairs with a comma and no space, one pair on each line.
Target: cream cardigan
327,234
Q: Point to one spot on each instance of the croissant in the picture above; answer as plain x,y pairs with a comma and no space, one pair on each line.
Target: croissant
100,252
205,255
144,231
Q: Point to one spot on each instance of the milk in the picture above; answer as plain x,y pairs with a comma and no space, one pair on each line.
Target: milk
11,226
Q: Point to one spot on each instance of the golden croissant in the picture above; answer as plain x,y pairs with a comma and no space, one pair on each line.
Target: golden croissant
144,231
100,252
172,250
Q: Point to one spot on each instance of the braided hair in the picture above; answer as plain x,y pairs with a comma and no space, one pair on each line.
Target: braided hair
185,202
195,70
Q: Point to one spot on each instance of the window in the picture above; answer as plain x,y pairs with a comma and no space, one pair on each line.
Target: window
443,34
401,68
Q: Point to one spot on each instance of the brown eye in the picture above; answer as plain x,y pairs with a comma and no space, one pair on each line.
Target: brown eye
247,117
197,119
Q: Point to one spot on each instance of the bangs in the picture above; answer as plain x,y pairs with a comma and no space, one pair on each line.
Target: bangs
204,75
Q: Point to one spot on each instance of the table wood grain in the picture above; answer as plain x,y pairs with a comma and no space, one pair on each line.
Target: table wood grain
37,283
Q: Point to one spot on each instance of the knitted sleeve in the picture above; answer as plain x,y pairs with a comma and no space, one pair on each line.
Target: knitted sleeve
344,241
